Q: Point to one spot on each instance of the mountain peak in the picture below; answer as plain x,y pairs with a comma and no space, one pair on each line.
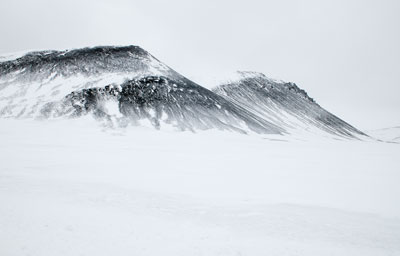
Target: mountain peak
99,55
243,75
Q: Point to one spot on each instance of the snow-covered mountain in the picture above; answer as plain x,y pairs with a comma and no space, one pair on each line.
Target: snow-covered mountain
128,85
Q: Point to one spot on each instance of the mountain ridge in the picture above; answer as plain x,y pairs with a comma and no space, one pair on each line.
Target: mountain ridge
284,103
49,84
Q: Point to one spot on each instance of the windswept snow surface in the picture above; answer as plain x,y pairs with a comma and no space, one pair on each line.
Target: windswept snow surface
68,187
390,134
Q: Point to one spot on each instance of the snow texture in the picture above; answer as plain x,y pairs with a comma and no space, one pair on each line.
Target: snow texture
69,188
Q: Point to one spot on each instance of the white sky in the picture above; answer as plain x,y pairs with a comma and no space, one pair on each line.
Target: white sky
344,53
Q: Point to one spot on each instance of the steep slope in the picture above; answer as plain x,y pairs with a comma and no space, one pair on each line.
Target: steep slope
122,84
284,104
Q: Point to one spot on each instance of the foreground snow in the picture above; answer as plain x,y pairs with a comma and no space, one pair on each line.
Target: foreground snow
70,188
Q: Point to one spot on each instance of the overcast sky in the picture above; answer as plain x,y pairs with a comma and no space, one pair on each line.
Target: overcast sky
344,53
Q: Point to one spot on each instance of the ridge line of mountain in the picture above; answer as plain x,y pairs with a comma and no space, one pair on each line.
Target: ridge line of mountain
38,82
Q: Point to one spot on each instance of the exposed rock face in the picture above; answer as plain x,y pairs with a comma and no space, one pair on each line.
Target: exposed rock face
162,101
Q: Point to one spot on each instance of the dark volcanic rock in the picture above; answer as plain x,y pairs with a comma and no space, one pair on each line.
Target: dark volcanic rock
160,100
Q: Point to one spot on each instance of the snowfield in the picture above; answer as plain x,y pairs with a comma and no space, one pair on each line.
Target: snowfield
68,187
390,134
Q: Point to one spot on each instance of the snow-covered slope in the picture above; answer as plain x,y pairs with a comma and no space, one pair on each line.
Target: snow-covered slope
284,104
29,82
